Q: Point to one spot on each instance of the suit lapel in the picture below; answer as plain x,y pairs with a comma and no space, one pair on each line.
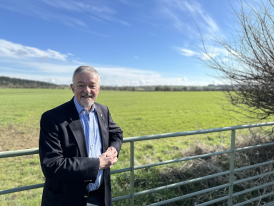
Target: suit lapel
77,129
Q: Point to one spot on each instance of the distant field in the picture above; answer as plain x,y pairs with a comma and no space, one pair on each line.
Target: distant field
137,113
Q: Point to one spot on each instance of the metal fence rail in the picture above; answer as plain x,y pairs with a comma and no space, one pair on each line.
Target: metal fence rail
132,168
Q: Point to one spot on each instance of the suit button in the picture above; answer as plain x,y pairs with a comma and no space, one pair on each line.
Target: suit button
85,196
90,180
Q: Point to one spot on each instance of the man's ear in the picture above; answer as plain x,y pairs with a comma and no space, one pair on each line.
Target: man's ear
72,87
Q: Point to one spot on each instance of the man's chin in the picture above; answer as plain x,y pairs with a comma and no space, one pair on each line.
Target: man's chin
87,104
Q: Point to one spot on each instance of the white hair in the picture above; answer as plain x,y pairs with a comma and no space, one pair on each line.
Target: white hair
85,69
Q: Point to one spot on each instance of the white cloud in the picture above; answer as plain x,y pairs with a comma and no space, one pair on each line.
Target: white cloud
52,81
78,62
13,50
111,18
79,6
136,57
178,23
36,77
195,8
136,77
25,62
217,82
212,53
113,76
184,79
99,11
181,12
187,52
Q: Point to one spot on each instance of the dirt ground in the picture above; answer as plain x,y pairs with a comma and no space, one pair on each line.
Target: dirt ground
18,137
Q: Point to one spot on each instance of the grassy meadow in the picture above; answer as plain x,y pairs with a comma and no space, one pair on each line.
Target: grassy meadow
137,113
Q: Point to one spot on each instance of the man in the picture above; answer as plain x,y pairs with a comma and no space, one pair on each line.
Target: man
78,144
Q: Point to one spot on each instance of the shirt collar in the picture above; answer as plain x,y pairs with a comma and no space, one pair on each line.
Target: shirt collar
80,108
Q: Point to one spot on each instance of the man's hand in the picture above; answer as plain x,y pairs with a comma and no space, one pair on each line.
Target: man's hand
111,156
106,161
111,152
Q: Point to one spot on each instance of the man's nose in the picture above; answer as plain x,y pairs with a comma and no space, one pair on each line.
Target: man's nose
86,89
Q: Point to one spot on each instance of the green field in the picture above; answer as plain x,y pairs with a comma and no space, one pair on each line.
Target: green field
137,113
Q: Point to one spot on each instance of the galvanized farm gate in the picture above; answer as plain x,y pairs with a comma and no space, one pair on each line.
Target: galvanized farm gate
132,168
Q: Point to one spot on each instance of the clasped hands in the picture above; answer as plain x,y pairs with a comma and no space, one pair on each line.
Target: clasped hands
108,158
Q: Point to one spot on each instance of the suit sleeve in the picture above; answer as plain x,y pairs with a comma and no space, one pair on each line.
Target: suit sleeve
115,134
53,162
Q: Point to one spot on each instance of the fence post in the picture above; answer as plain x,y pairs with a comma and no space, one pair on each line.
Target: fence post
232,163
132,172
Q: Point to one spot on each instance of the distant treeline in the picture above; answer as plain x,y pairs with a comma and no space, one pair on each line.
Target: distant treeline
166,88
7,82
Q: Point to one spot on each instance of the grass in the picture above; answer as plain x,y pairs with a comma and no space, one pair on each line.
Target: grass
137,113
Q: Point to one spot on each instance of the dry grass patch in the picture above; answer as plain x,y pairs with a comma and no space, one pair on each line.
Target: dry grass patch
14,137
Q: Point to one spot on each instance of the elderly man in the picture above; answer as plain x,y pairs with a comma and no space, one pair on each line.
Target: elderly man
79,142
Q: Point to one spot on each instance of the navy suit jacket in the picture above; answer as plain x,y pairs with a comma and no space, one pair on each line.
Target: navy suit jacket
64,158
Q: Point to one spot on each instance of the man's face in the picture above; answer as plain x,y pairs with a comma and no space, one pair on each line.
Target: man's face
86,89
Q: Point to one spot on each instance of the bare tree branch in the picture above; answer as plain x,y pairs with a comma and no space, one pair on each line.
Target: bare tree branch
247,65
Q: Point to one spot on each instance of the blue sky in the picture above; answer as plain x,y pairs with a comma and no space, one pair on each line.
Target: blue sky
133,43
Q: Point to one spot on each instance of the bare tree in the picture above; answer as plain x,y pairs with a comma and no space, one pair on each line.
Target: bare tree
247,65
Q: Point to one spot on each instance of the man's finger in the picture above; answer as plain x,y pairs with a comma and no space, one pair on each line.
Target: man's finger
111,151
114,160
111,148
111,154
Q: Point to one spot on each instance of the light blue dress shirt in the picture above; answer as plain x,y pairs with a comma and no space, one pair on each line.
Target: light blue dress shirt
92,134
